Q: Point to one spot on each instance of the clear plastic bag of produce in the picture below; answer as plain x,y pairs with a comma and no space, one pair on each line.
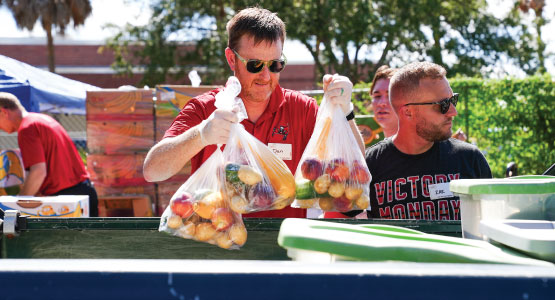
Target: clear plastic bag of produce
332,174
255,178
199,209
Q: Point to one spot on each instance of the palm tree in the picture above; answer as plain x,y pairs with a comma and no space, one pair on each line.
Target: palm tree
53,14
537,6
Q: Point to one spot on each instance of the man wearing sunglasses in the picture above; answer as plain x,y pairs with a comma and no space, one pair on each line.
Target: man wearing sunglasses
411,171
282,119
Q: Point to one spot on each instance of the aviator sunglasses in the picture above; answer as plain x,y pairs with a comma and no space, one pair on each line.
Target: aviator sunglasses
443,104
255,65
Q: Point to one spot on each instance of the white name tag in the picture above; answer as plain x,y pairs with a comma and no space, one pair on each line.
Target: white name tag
440,190
283,151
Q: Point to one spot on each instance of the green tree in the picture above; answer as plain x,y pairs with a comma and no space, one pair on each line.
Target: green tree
537,55
339,34
52,14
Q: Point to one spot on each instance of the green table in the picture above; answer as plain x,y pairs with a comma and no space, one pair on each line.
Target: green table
139,238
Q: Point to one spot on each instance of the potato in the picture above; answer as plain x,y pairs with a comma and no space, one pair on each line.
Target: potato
187,230
353,192
238,234
326,204
336,189
205,232
239,204
322,183
281,202
223,241
306,203
362,202
174,222
249,175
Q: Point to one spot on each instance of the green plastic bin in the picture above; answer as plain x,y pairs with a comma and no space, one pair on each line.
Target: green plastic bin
527,198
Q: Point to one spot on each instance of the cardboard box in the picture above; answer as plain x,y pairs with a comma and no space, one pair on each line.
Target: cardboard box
64,206
125,206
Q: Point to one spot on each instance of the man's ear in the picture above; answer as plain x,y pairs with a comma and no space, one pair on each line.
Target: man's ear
406,111
230,56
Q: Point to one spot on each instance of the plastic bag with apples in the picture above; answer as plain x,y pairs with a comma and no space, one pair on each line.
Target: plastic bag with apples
332,174
255,178
199,210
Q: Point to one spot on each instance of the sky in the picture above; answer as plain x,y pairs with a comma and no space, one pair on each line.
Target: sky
120,12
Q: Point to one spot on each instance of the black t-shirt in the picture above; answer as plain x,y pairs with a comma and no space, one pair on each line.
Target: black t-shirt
400,182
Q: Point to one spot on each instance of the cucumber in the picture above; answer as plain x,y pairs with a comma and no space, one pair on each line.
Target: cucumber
305,190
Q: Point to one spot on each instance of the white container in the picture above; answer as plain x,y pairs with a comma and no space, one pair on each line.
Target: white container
524,197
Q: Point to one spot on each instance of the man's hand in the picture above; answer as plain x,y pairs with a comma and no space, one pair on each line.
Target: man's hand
338,90
215,129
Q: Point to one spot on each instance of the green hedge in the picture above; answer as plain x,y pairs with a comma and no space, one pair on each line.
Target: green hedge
508,119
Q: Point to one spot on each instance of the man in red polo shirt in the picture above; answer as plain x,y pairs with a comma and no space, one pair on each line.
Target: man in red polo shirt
280,118
55,167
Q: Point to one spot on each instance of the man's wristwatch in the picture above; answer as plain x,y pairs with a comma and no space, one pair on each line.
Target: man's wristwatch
351,115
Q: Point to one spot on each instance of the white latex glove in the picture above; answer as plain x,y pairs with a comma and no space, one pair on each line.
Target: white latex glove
338,90
215,129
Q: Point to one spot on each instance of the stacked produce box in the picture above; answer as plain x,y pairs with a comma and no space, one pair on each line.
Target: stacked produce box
120,131
170,99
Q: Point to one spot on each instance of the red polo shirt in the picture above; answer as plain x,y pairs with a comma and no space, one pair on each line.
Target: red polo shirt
289,118
43,139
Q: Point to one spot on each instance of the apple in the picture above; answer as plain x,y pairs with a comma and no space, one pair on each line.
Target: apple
222,218
338,170
261,195
182,206
206,206
360,174
311,168
342,204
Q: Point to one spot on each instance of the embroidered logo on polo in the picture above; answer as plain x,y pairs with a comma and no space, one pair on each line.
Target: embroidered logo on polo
281,130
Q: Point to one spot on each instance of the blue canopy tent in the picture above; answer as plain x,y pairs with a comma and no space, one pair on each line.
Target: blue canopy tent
42,91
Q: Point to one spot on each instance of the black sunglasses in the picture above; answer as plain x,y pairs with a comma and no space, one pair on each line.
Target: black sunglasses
255,65
443,104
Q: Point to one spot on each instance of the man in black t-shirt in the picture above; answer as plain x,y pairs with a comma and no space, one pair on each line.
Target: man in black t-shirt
412,169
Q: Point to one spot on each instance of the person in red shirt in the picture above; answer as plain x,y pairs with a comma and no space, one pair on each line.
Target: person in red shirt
282,119
47,151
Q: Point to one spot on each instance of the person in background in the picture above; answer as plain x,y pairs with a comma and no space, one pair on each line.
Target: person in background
281,118
412,169
379,91
48,153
